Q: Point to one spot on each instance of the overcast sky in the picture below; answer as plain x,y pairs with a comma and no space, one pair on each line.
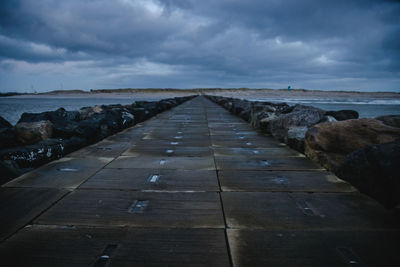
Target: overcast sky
91,44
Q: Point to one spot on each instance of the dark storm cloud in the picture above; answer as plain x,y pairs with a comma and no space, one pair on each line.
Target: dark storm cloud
187,43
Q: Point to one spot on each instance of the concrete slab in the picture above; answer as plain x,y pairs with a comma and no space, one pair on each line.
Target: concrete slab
267,143
175,135
283,163
79,246
239,137
283,181
129,137
175,142
181,130
227,126
106,148
181,163
63,173
256,152
232,133
169,151
19,206
344,211
136,209
149,179
314,248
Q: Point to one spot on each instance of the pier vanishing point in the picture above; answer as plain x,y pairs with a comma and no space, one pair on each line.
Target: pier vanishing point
193,186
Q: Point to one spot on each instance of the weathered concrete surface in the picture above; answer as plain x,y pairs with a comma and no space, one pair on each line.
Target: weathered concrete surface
191,186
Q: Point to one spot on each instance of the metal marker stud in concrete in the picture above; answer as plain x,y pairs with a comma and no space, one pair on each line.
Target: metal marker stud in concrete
349,256
103,148
154,178
104,258
265,162
138,206
308,209
169,151
174,143
178,137
163,161
256,152
67,170
248,143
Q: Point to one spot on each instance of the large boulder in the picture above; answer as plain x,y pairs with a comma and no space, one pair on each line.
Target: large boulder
64,122
86,112
295,138
328,143
375,171
300,116
32,132
54,116
391,120
342,115
7,134
4,123
17,160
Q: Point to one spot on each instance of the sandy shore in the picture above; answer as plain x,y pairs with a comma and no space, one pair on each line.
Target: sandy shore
237,93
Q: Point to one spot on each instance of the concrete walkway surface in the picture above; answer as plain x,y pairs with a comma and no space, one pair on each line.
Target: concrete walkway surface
193,186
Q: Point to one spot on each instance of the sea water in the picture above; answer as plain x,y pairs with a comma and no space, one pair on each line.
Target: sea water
11,108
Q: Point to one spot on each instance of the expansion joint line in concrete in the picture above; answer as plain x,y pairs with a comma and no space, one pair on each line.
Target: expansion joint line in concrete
220,188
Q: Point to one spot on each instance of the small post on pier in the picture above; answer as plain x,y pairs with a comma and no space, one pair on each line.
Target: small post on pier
288,88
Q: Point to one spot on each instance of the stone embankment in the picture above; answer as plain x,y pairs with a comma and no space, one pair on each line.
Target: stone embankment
365,152
38,138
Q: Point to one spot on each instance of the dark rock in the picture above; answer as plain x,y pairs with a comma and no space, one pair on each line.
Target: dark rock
328,143
127,118
64,122
86,112
391,120
300,116
65,129
32,156
4,123
140,114
9,170
295,138
342,115
53,116
375,170
7,134
28,157
32,132
7,138
328,118
77,129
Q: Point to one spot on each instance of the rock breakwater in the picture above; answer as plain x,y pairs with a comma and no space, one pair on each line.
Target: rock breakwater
365,152
38,138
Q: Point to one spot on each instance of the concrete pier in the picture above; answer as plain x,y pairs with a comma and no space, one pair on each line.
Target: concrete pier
192,186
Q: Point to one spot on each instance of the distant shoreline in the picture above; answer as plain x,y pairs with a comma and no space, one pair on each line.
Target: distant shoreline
229,92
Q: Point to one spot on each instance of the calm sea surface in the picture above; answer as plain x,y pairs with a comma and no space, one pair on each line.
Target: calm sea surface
11,108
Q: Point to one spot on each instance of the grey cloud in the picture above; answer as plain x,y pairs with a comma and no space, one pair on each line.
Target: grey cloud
214,43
